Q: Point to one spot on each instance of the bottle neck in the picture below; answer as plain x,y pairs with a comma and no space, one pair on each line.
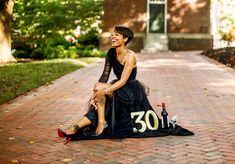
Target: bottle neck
164,111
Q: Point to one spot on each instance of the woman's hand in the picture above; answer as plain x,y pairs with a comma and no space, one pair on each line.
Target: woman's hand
97,96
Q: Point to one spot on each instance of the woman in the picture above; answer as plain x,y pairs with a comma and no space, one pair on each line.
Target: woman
120,108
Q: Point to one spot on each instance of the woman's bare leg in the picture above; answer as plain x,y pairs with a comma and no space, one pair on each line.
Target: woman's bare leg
101,116
84,121
101,107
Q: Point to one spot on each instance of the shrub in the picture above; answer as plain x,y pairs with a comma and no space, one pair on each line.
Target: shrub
97,53
59,51
37,54
21,54
52,52
90,38
58,40
72,52
90,52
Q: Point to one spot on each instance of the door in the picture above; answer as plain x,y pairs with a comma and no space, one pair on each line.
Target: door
156,15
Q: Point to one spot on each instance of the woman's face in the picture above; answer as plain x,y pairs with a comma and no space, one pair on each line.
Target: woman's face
117,39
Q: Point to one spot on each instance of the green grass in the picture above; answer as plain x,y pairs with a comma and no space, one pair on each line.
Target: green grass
18,78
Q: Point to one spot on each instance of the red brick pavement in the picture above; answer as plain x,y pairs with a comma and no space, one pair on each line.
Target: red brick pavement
200,91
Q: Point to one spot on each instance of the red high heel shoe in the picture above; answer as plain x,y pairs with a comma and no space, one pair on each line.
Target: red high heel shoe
61,134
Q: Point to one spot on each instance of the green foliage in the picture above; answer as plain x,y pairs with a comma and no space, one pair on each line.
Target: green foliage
49,52
90,38
58,40
72,52
90,51
16,79
37,54
44,25
21,54
227,30
227,21
228,37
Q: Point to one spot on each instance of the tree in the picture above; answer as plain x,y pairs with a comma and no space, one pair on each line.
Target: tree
38,24
41,22
227,31
6,11
227,21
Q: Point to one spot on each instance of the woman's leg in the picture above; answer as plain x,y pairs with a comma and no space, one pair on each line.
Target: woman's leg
101,116
100,108
84,121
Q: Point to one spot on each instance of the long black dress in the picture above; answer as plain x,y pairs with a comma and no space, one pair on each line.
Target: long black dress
128,113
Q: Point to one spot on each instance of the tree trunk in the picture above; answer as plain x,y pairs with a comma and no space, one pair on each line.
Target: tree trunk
5,29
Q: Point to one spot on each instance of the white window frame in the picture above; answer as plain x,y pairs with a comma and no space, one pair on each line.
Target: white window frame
165,16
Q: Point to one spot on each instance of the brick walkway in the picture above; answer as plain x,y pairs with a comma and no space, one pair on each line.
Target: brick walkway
200,91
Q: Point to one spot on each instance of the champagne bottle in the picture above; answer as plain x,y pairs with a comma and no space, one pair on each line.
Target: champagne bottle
164,117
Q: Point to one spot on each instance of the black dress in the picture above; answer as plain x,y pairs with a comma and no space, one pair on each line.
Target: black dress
128,113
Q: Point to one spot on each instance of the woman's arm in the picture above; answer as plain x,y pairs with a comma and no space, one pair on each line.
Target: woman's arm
103,78
106,71
128,67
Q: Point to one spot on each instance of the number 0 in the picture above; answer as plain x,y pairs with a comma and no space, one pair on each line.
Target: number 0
155,120
138,120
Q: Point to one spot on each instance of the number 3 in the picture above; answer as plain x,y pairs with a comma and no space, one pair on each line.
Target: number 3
138,120
144,124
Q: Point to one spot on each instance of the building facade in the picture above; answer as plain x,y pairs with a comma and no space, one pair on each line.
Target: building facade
160,24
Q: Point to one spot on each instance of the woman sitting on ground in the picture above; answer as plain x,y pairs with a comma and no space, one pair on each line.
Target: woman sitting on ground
120,108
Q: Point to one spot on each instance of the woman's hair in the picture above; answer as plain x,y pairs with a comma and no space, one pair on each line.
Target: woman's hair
126,32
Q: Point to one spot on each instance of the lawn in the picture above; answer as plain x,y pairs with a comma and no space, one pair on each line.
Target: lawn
18,78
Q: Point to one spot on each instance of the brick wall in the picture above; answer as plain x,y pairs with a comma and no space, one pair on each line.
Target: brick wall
184,17
188,16
179,42
130,13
